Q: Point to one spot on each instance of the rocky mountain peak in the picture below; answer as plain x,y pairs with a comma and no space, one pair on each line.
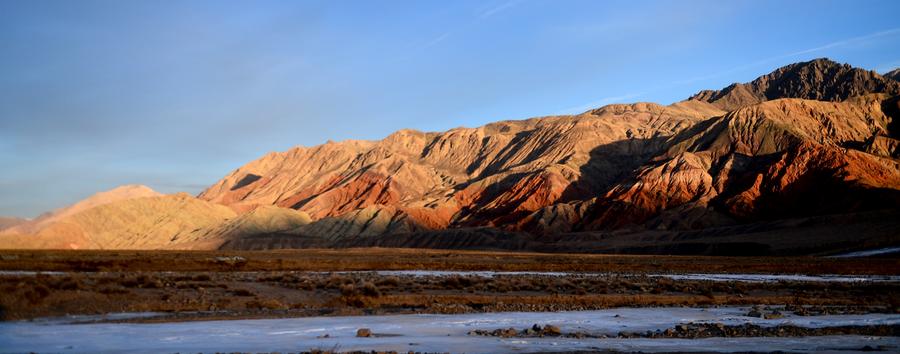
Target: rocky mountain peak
893,74
820,79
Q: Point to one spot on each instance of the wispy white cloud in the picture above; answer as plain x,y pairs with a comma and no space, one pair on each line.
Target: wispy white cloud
836,44
885,67
483,15
436,40
599,103
497,9
845,42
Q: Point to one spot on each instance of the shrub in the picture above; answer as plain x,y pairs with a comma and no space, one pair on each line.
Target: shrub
306,285
130,283
150,282
369,289
242,292
348,290
451,282
37,294
142,281
265,304
356,301
68,284
564,284
388,282
336,281
109,290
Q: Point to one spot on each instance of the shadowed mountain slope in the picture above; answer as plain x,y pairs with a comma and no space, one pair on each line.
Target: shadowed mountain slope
893,74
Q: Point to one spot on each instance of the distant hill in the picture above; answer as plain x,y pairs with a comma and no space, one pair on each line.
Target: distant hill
7,222
116,194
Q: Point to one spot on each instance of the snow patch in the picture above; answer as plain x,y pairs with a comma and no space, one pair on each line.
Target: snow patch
434,333
867,253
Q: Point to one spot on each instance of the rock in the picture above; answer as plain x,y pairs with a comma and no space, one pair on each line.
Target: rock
231,260
755,313
363,333
551,330
509,332
629,335
797,310
773,315
819,79
707,330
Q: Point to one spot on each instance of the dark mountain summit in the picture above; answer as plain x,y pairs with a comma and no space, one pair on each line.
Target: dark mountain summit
820,79
893,74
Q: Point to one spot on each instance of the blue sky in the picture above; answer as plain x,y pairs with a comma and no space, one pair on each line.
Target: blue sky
176,94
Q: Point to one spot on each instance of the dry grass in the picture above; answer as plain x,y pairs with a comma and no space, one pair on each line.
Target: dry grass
266,294
419,259
269,284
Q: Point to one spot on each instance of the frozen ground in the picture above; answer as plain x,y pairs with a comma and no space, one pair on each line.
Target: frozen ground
756,278
868,253
28,272
710,276
433,333
747,278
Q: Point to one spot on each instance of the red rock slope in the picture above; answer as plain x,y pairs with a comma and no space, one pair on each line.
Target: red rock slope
784,138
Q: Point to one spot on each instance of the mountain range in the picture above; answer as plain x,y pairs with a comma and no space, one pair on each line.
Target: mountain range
803,160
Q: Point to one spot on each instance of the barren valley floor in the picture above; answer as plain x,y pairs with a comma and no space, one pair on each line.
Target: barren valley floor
385,281
197,287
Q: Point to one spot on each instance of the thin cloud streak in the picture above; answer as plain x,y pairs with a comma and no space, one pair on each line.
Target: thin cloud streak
598,103
836,44
884,68
498,9
831,45
436,40
844,42
483,16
